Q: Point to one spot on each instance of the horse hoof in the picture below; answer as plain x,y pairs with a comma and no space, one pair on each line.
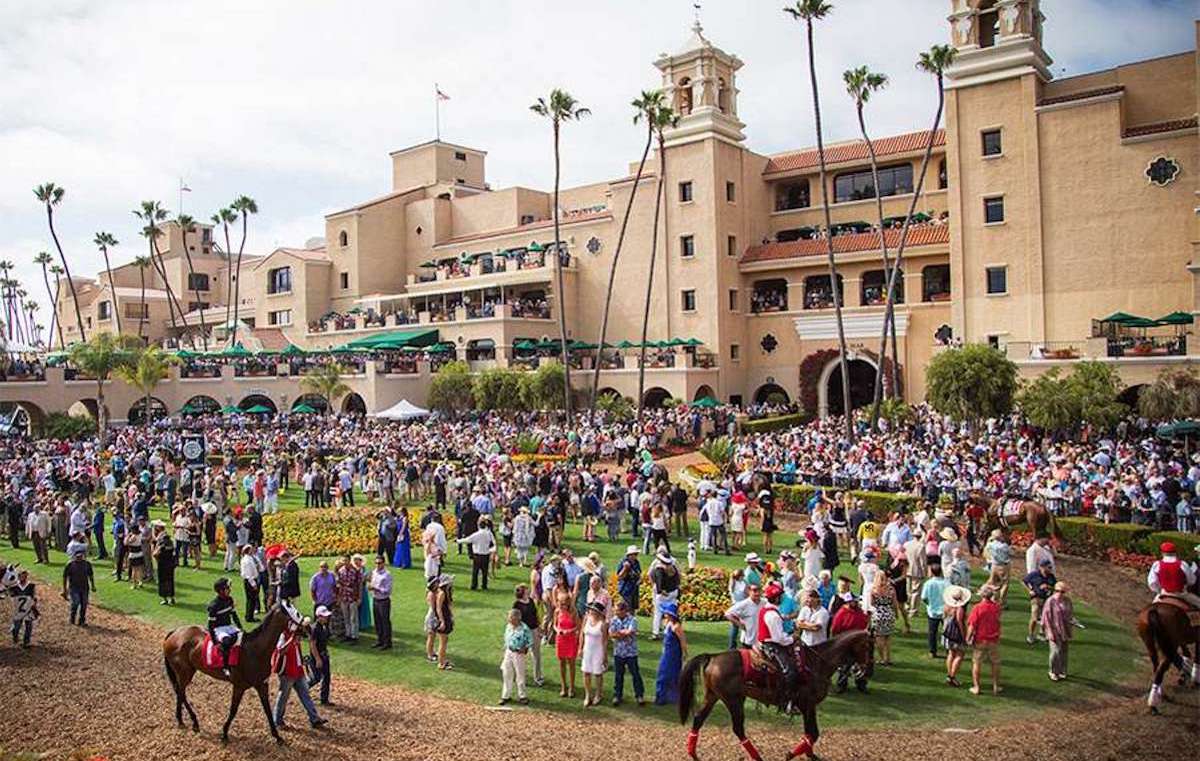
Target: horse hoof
1154,711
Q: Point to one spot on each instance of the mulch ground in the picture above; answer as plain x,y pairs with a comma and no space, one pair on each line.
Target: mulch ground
102,691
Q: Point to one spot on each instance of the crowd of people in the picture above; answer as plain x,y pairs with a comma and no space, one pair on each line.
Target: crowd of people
77,497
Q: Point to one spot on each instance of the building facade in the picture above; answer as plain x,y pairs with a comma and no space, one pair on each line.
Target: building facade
1047,204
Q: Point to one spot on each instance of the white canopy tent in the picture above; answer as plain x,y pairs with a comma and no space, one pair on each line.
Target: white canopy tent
402,410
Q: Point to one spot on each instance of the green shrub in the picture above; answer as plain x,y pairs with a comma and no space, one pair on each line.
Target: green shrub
768,424
60,425
1121,536
878,504
1184,543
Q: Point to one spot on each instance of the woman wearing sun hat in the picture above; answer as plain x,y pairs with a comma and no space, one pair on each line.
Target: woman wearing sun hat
954,635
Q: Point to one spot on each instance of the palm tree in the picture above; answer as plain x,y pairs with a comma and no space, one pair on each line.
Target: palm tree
142,263
151,214
6,285
325,382
103,240
860,84
809,11
244,205
226,217
561,107
650,101
57,271
658,118
187,224
43,259
35,332
934,61
149,367
104,354
51,195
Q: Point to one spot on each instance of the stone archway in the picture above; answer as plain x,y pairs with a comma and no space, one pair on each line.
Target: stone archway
353,404
137,413
316,401
768,391
258,400
1130,396
703,391
22,418
862,384
654,397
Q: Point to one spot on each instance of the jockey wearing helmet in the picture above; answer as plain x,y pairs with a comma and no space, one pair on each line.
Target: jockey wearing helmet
223,621
1171,577
777,644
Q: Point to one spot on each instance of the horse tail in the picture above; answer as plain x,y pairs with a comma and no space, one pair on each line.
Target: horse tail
171,674
687,685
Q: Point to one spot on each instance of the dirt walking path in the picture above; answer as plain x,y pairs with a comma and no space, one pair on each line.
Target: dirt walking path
102,691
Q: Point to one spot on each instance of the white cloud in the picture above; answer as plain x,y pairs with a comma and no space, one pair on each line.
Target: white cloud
298,102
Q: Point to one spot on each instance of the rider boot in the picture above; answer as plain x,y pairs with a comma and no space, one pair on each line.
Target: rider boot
225,644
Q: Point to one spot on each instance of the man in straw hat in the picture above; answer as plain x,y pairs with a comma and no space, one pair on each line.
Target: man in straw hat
664,577
1058,623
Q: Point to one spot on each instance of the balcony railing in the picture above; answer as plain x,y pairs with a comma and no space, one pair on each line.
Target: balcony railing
1147,346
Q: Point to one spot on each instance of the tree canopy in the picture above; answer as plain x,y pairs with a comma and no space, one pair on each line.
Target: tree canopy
971,383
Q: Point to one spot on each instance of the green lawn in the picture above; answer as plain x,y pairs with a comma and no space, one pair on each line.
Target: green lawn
1101,656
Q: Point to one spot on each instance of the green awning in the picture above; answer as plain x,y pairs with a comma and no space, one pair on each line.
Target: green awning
293,350
536,247
580,346
303,409
185,354
525,345
1176,318
707,402
259,409
693,342
1121,318
237,350
921,216
344,350
1179,429
395,339
675,342
229,409
626,344
1140,322
440,349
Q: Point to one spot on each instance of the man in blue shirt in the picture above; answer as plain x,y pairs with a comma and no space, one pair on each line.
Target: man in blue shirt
629,577
98,531
931,595
623,632
118,534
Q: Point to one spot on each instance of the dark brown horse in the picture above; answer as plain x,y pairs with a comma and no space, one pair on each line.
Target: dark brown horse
183,658
1005,513
723,680
1167,632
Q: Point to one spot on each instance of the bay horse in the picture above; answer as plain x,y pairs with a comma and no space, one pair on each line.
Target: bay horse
1003,514
183,657
724,680
1165,628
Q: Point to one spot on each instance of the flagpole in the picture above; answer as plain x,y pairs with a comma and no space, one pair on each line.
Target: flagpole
437,110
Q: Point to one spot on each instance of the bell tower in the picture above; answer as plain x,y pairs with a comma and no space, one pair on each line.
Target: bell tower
996,39
700,84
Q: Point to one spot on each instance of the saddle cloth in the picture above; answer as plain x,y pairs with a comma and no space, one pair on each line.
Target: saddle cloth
757,669
1011,508
210,653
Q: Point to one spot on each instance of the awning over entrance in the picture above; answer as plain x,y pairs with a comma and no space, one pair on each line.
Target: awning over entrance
396,339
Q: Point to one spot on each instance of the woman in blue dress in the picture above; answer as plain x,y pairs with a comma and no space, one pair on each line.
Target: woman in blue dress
364,597
402,557
666,690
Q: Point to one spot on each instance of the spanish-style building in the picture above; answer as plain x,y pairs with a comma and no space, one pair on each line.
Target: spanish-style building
1048,205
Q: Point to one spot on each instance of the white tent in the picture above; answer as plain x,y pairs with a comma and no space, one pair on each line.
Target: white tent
402,410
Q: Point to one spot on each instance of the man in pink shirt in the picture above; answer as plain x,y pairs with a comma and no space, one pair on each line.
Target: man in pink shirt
1058,621
983,632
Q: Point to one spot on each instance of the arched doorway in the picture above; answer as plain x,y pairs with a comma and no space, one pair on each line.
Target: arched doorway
201,405
608,391
771,393
1129,397
654,397
85,408
703,392
353,404
21,418
257,400
862,385
137,413
316,401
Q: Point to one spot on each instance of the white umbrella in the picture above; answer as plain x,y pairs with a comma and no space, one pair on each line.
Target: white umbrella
402,410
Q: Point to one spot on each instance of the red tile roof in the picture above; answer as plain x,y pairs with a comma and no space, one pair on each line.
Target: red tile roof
1174,125
1082,95
918,235
854,150
272,339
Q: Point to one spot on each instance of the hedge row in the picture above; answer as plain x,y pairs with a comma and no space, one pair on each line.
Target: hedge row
1089,536
768,424
880,505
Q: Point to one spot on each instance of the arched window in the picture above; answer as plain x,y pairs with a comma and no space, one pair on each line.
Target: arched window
685,96
722,97
343,239
989,23
874,288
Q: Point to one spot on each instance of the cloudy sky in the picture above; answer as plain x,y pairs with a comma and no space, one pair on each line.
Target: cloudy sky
298,102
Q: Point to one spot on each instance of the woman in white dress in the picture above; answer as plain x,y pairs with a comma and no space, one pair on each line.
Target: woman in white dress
737,519
595,654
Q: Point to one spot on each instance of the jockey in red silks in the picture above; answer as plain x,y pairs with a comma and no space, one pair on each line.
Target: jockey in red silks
777,644
1171,577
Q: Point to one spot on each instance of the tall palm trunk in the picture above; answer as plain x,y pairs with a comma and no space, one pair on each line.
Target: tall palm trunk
144,315
53,294
161,267
113,286
228,278
833,273
659,190
67,271
612,272
562,295
887,271
196,293
237,281
62,344
889,311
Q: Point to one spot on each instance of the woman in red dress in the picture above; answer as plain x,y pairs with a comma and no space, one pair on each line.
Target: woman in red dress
566,647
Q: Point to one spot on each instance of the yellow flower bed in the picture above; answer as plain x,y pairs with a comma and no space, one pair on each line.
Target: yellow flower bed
335,531
703,594
538,457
